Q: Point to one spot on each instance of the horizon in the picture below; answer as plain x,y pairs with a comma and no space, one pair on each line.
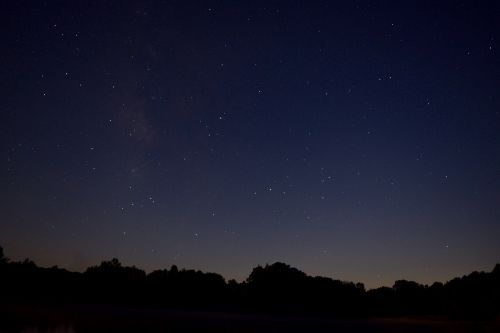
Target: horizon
227,279
358,141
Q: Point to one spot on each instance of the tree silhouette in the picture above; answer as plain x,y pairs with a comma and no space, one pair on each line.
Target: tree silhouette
3,259
275,289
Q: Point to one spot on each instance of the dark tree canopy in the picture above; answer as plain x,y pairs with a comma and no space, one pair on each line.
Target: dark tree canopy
273,288
2,257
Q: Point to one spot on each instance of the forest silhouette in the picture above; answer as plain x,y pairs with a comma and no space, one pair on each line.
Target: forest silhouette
270,289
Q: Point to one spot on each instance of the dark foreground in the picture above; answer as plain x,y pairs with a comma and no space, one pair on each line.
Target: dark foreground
113,319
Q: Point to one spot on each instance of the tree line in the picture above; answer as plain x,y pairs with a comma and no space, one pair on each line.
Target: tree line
276,289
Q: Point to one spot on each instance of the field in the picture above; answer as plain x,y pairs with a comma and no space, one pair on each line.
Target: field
79,319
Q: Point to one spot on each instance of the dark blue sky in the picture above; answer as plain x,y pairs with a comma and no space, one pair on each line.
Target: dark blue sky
356,140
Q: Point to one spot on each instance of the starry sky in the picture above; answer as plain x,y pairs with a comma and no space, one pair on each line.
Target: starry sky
351,139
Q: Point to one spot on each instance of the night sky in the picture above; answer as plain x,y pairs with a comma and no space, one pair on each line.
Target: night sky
355,140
